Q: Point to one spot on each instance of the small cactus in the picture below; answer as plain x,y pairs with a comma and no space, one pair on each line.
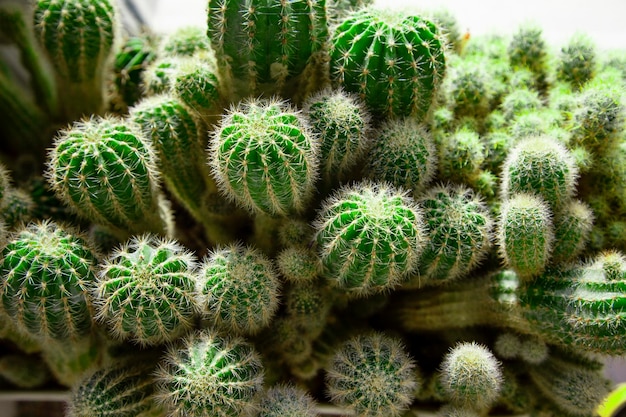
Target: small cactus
370,236
208,374
286,401
372,375
264,157
577,61
106,170
461,155
471,376
146,291
572,228
186,41
395,62
238,289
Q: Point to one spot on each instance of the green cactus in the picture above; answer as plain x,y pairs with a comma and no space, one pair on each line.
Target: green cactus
120,390
525,234
461,155
572,228
342,123
395,62
370,236
286,401
471,376
527,49
264,157
265,46
577,61
196,83
468,88
78,38
186,41
297,264
49,271
146,291
158,77
106,170
459,229
520,101
542,166
208,374
238,289
404,155
372,375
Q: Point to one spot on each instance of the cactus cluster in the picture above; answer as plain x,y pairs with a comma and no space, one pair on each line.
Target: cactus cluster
308,204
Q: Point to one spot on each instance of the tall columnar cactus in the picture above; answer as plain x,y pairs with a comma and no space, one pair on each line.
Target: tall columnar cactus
543,166
238,289
209,374
395,62
403,154
372,375
343,125
264,157
106,170
264,45
146,291
48,273
119,390
525,234
459,229
78,37
370,236
471,376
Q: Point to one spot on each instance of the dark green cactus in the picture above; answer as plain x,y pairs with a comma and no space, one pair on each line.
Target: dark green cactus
395,62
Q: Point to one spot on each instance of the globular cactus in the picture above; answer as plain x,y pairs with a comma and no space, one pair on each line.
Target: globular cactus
78,37
342,123
298,265
264,46
196,83
308,305
146,291
372,375
459,229
115,390
158,77
106,170
369,237
264,157
542,166
404,155
527,49
49,272
520,101
395,62
209,374
461,155
525,234
577,61
238,289
471,376
286,401
572,229
186,41
467,88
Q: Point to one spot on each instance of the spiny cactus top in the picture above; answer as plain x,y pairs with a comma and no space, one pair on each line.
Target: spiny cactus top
286,401
77,35
105,169
370,236
394,61
146,290
266,41
48,272
209,375
372,375
264,157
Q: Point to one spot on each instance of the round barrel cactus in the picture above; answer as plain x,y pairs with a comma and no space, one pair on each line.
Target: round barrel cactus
394,61
264,157
264,44
370,236
48,273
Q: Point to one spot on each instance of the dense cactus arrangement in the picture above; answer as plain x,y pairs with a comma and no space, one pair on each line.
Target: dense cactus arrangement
309,204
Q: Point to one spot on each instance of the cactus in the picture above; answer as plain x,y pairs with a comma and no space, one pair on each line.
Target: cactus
106,170
461,156
186,41
264,46
286,401
404,155
264,157
238,289
208,374
372,375
577,61
525,234
146,290
572,229
24,371
527,49
342,123
541,166
467,88
78,38
121,390
393,61
459,229
196,84
298,265
370,236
